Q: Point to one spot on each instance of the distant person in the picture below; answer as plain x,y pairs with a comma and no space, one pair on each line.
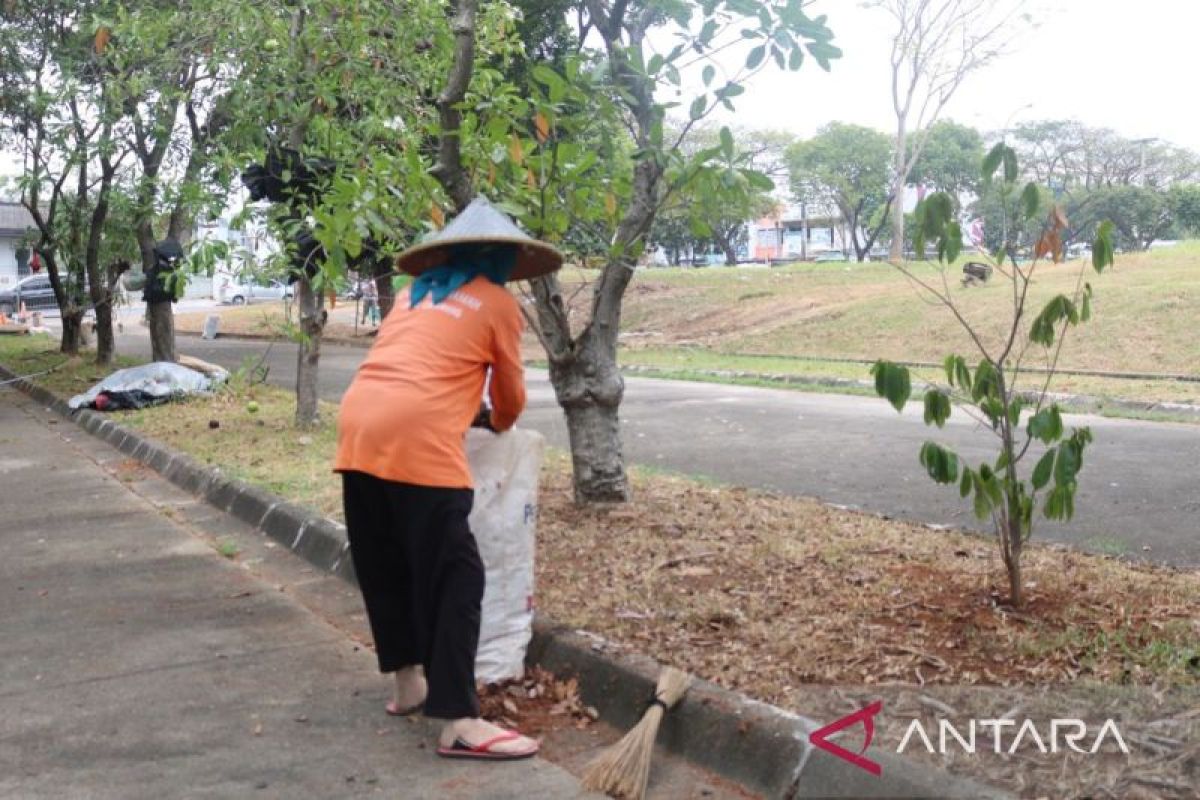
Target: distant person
370,300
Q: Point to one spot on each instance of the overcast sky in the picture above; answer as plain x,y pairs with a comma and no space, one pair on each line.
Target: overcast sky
1121,65
1107,63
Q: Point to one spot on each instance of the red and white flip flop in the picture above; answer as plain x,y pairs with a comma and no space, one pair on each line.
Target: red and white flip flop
484,752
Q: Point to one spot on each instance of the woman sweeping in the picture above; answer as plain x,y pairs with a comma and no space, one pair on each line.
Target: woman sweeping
407,487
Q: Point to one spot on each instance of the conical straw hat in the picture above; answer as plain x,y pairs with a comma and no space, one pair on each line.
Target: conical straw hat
482,223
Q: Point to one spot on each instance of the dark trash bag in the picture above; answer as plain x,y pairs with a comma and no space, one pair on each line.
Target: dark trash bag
266,181
167,255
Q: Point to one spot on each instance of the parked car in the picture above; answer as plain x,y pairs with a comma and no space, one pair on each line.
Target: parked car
249,289
34,291
831,256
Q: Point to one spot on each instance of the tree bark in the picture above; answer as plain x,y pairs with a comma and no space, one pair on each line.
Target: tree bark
449,170
896,254
589,389
383,286
99,287
731,258
161,319
312,325
106,345
72,332
1011,551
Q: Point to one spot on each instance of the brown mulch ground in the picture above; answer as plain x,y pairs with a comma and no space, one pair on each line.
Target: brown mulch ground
767,593
819,610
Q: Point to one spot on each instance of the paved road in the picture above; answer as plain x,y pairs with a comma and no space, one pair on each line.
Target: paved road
138,663
1139,496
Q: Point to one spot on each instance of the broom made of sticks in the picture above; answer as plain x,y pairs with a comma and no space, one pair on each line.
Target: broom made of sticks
623,770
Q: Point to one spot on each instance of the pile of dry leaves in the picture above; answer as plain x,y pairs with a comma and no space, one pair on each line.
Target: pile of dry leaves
537,703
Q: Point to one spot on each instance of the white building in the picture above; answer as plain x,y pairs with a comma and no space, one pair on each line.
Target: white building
15,221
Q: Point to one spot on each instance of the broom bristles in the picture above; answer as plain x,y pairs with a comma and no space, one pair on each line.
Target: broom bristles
623,770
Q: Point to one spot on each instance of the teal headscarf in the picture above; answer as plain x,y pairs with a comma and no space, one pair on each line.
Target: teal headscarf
466,262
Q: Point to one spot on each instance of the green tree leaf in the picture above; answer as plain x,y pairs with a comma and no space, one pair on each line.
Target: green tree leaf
993,160
1011,170
892,381
756,56
1102,247
937,408
1044,469
1067,464
987,381
1031,200
940,463
727,143
1046,425
1045,325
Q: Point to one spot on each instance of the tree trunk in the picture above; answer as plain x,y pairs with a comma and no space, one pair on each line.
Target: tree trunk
387,295
161,318
899,182
589,388
72,331
731,258
106,345
1012,562
312,325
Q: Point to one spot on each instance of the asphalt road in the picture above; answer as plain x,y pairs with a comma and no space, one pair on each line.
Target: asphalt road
1139,493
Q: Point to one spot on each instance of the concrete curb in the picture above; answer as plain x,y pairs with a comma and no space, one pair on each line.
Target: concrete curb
756,745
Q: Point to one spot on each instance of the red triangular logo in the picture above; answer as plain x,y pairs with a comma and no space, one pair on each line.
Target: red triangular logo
820,738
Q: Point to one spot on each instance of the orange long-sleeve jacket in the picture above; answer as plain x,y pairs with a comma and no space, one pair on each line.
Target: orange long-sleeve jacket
408,408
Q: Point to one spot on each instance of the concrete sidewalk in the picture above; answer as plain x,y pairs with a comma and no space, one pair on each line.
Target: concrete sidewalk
136,662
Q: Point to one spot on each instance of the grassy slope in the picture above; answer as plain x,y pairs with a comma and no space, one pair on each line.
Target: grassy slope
1144,317
1145,311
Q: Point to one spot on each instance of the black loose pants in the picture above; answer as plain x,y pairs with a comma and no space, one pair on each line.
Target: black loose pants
422,583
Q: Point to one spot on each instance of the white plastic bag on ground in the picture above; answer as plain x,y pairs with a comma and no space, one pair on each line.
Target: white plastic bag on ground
505,467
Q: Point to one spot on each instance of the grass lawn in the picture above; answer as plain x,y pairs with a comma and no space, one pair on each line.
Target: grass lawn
770,595
1145,308
271,319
